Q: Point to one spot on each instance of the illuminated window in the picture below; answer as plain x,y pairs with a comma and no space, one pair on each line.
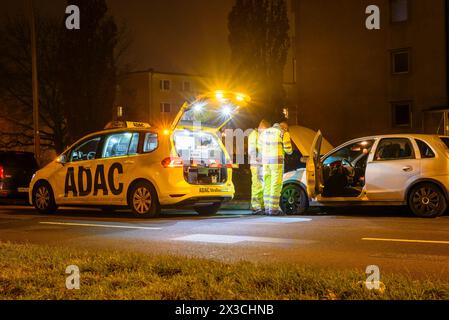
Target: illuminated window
86,150
402,114
399,10
134,145
165,85
165,107
118,145
150,143
400,61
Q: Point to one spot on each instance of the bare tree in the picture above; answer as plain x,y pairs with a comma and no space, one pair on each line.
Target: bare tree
15,85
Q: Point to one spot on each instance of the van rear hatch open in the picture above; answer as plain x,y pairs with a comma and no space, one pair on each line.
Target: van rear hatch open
196,131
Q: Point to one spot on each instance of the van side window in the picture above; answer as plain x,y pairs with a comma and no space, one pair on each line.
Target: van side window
150,142
394,149
87,150
134,145
117,145
425,150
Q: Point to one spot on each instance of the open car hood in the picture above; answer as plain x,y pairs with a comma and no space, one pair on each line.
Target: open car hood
303,138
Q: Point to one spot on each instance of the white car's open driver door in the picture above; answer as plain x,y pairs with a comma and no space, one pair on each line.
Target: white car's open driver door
313,167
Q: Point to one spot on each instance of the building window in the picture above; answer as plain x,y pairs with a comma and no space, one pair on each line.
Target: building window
165,107
186,86
165,85
402,114
400,61
399,10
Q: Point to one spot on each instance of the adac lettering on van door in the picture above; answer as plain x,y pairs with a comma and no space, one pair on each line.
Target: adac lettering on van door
88,184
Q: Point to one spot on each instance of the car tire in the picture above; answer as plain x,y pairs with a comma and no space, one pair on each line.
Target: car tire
426,200
43,198
209,210
294,200
143,200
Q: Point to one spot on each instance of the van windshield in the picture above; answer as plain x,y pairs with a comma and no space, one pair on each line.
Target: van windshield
199,148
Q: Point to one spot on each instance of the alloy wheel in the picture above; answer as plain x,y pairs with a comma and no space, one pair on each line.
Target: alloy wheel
42,198
426,201
291,200
142,200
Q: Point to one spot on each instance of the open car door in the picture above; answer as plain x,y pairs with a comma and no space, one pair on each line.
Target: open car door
313,167
211,111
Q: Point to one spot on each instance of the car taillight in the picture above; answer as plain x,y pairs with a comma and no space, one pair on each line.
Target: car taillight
172,163
2,173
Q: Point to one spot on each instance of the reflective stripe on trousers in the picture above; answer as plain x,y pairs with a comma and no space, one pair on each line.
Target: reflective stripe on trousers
257,202
273,179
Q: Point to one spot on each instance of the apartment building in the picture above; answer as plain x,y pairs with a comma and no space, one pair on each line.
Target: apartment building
156,97
351,81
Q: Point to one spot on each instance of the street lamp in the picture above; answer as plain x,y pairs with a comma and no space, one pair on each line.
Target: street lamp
37,142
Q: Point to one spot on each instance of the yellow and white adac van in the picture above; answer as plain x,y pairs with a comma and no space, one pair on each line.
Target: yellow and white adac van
141,168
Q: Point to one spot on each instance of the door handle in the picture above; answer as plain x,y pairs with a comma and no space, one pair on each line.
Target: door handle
129,162
407,169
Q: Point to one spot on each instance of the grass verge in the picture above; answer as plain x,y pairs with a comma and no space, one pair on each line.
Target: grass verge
38,272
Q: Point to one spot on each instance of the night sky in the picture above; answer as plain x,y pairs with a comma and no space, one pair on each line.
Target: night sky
168,35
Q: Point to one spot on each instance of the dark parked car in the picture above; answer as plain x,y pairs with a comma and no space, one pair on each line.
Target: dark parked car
16,171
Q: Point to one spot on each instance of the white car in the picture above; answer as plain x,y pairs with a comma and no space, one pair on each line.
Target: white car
145,169
402,169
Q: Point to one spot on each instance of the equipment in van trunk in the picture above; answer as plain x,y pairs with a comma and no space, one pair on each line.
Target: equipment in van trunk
195,138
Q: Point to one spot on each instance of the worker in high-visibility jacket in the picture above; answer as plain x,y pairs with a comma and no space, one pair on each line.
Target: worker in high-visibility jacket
255,161
274,143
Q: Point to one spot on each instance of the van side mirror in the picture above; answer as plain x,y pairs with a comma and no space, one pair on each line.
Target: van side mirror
62,159
304,159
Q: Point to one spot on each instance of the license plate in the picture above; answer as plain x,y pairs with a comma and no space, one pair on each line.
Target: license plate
23,190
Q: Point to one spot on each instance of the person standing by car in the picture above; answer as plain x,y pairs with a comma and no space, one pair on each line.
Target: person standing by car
257,203
274,143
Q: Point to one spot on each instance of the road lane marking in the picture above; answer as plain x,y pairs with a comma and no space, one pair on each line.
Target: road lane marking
97,225
406,240
271,221
227,239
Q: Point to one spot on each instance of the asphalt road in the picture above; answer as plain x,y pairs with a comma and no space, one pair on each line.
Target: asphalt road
356,238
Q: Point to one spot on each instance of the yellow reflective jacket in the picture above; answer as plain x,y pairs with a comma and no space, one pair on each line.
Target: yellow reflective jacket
273,145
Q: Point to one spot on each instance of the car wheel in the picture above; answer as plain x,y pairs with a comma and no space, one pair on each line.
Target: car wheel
427,201
294,200
43,198
143,200
208,210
